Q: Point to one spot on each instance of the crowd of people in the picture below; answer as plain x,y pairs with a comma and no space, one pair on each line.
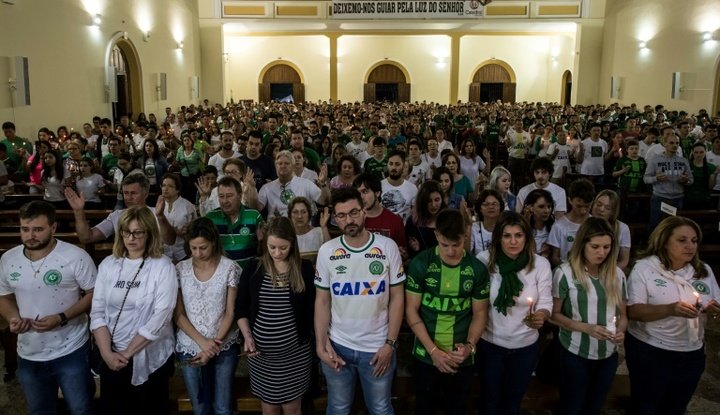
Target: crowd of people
303,237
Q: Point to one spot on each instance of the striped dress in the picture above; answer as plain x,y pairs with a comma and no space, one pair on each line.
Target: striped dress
281,372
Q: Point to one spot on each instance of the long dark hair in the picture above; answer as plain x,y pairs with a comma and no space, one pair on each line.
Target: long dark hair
59,167
533,197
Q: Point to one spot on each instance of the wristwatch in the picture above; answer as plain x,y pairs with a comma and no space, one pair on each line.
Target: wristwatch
392,343
63,319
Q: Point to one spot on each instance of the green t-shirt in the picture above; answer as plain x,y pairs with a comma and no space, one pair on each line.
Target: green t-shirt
376,168
698,191
238,239
632,180
447,294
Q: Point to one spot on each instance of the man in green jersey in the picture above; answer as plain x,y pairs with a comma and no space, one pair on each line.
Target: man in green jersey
237,224
446,306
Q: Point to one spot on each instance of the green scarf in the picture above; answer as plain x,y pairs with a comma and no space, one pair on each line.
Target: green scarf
510,285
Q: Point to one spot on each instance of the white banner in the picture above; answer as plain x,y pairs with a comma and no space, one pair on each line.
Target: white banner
390,9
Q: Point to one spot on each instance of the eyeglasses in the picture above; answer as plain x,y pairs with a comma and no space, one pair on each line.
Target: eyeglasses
136,234
353,214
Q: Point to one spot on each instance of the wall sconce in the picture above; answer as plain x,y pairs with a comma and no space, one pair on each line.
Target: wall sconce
643,44
97,19
146,36
180,45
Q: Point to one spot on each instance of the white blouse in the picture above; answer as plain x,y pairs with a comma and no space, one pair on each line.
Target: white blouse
149,316
205,303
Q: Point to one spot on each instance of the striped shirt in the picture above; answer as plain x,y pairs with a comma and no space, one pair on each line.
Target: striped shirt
239,239
589,307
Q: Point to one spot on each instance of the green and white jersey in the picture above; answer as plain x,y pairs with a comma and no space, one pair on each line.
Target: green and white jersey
359,281
447,294
589,307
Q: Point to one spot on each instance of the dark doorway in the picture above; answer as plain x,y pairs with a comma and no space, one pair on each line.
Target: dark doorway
386,92
491,92
281,92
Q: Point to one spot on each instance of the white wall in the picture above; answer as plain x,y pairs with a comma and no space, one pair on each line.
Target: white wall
248,55
67,55
673,32
538,78
417,54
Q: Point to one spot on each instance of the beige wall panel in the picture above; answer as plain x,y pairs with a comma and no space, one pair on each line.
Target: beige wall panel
248,55
419,55
673,31
67,55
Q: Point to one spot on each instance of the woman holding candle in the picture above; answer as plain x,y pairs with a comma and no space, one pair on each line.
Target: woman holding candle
588,299
520,294
670,293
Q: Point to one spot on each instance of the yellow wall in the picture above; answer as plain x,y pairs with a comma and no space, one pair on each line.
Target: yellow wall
673,31
538,78
67,55
248,55
417,54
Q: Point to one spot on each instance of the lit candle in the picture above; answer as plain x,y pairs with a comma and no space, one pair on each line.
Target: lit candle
698,300
612,325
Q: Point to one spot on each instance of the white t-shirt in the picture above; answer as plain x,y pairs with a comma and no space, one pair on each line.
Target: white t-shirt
46,287
311,241
510,331
651,283
205,303
359,283
562,235
356,149
109,225
276,197
399,199
418,173
481,238
471,168
561,160
594,157
557,192
217,160
182,213
88,187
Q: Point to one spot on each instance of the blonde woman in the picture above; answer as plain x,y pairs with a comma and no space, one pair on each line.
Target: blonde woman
607,206
589,307
131,314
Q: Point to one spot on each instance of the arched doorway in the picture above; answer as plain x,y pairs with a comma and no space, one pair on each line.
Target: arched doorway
387,82
493,80
124,77
281,81
566,88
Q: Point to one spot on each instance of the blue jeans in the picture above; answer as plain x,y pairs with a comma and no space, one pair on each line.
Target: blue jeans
656,213
584,383
661,381
210,387
40,381
505,374
341,384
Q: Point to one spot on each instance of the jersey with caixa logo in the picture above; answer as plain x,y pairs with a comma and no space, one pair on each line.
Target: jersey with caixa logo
359,281
446,296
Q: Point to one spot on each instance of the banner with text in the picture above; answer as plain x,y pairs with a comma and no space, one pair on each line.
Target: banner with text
389,9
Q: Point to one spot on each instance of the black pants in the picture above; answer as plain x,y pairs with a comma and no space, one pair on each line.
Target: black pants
432,387
119,397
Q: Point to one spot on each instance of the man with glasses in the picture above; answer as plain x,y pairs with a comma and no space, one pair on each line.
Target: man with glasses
358,309
46,288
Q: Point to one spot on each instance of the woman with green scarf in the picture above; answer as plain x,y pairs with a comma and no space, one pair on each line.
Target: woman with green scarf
521,300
